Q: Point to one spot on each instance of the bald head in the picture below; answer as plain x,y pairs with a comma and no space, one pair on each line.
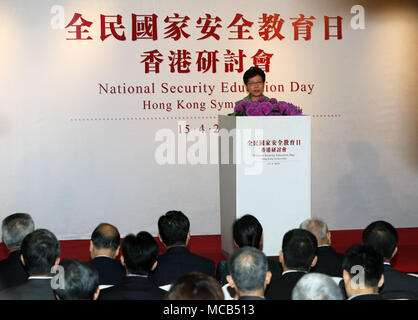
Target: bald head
105,240
318,228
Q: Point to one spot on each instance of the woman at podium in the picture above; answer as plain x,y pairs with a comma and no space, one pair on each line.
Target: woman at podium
254,79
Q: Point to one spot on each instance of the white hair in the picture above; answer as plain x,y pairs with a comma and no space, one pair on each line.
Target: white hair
317,226
316,286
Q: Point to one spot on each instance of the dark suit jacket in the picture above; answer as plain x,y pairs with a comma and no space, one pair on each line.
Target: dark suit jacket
12,272
110,270
133,288
222,270
178,261
367,297
281,289
329,262
398,285
33,289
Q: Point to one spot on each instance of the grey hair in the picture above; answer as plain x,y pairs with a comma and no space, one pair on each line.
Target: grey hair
15,228
316,286
248,268
317,226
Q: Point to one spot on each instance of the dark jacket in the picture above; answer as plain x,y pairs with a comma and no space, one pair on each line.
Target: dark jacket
178,261
111,271
367,297
133,288
398,285
281,289
12,271
329,262
33,289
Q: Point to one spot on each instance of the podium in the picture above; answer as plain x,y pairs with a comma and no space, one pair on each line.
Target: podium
265,171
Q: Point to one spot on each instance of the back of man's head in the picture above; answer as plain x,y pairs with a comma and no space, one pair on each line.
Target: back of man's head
15,228
316,286
382,236
173,228
247,231
106,236
299,249
365,262
317,227
40,250
139,253
248,268
81,281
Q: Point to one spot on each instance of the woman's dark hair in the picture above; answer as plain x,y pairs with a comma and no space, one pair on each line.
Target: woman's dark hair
195,286
252,72
139,252
247,231
366,257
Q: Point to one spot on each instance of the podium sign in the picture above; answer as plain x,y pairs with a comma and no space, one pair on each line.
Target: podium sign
265,171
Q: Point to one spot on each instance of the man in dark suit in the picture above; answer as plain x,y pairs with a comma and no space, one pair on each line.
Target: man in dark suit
14,229
139,256
104,248
297,256
249,274
81,281
362,272
40,251
382,236
173,228
329,261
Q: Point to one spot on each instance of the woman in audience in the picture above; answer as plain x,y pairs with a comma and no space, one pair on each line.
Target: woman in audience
247,232
195,286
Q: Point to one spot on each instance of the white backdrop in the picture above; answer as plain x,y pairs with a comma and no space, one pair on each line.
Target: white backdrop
73,156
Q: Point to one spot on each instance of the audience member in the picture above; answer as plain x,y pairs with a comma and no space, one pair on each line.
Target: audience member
247,232
104,249
297,256
316,286
362,272
249,273
382,236
139,257
195,286
40,251
81,281
329,261
14,229
173,228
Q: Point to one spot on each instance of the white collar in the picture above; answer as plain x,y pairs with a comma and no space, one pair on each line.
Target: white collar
137,275
289,271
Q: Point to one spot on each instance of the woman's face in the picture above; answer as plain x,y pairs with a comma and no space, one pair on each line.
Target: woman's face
255,87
